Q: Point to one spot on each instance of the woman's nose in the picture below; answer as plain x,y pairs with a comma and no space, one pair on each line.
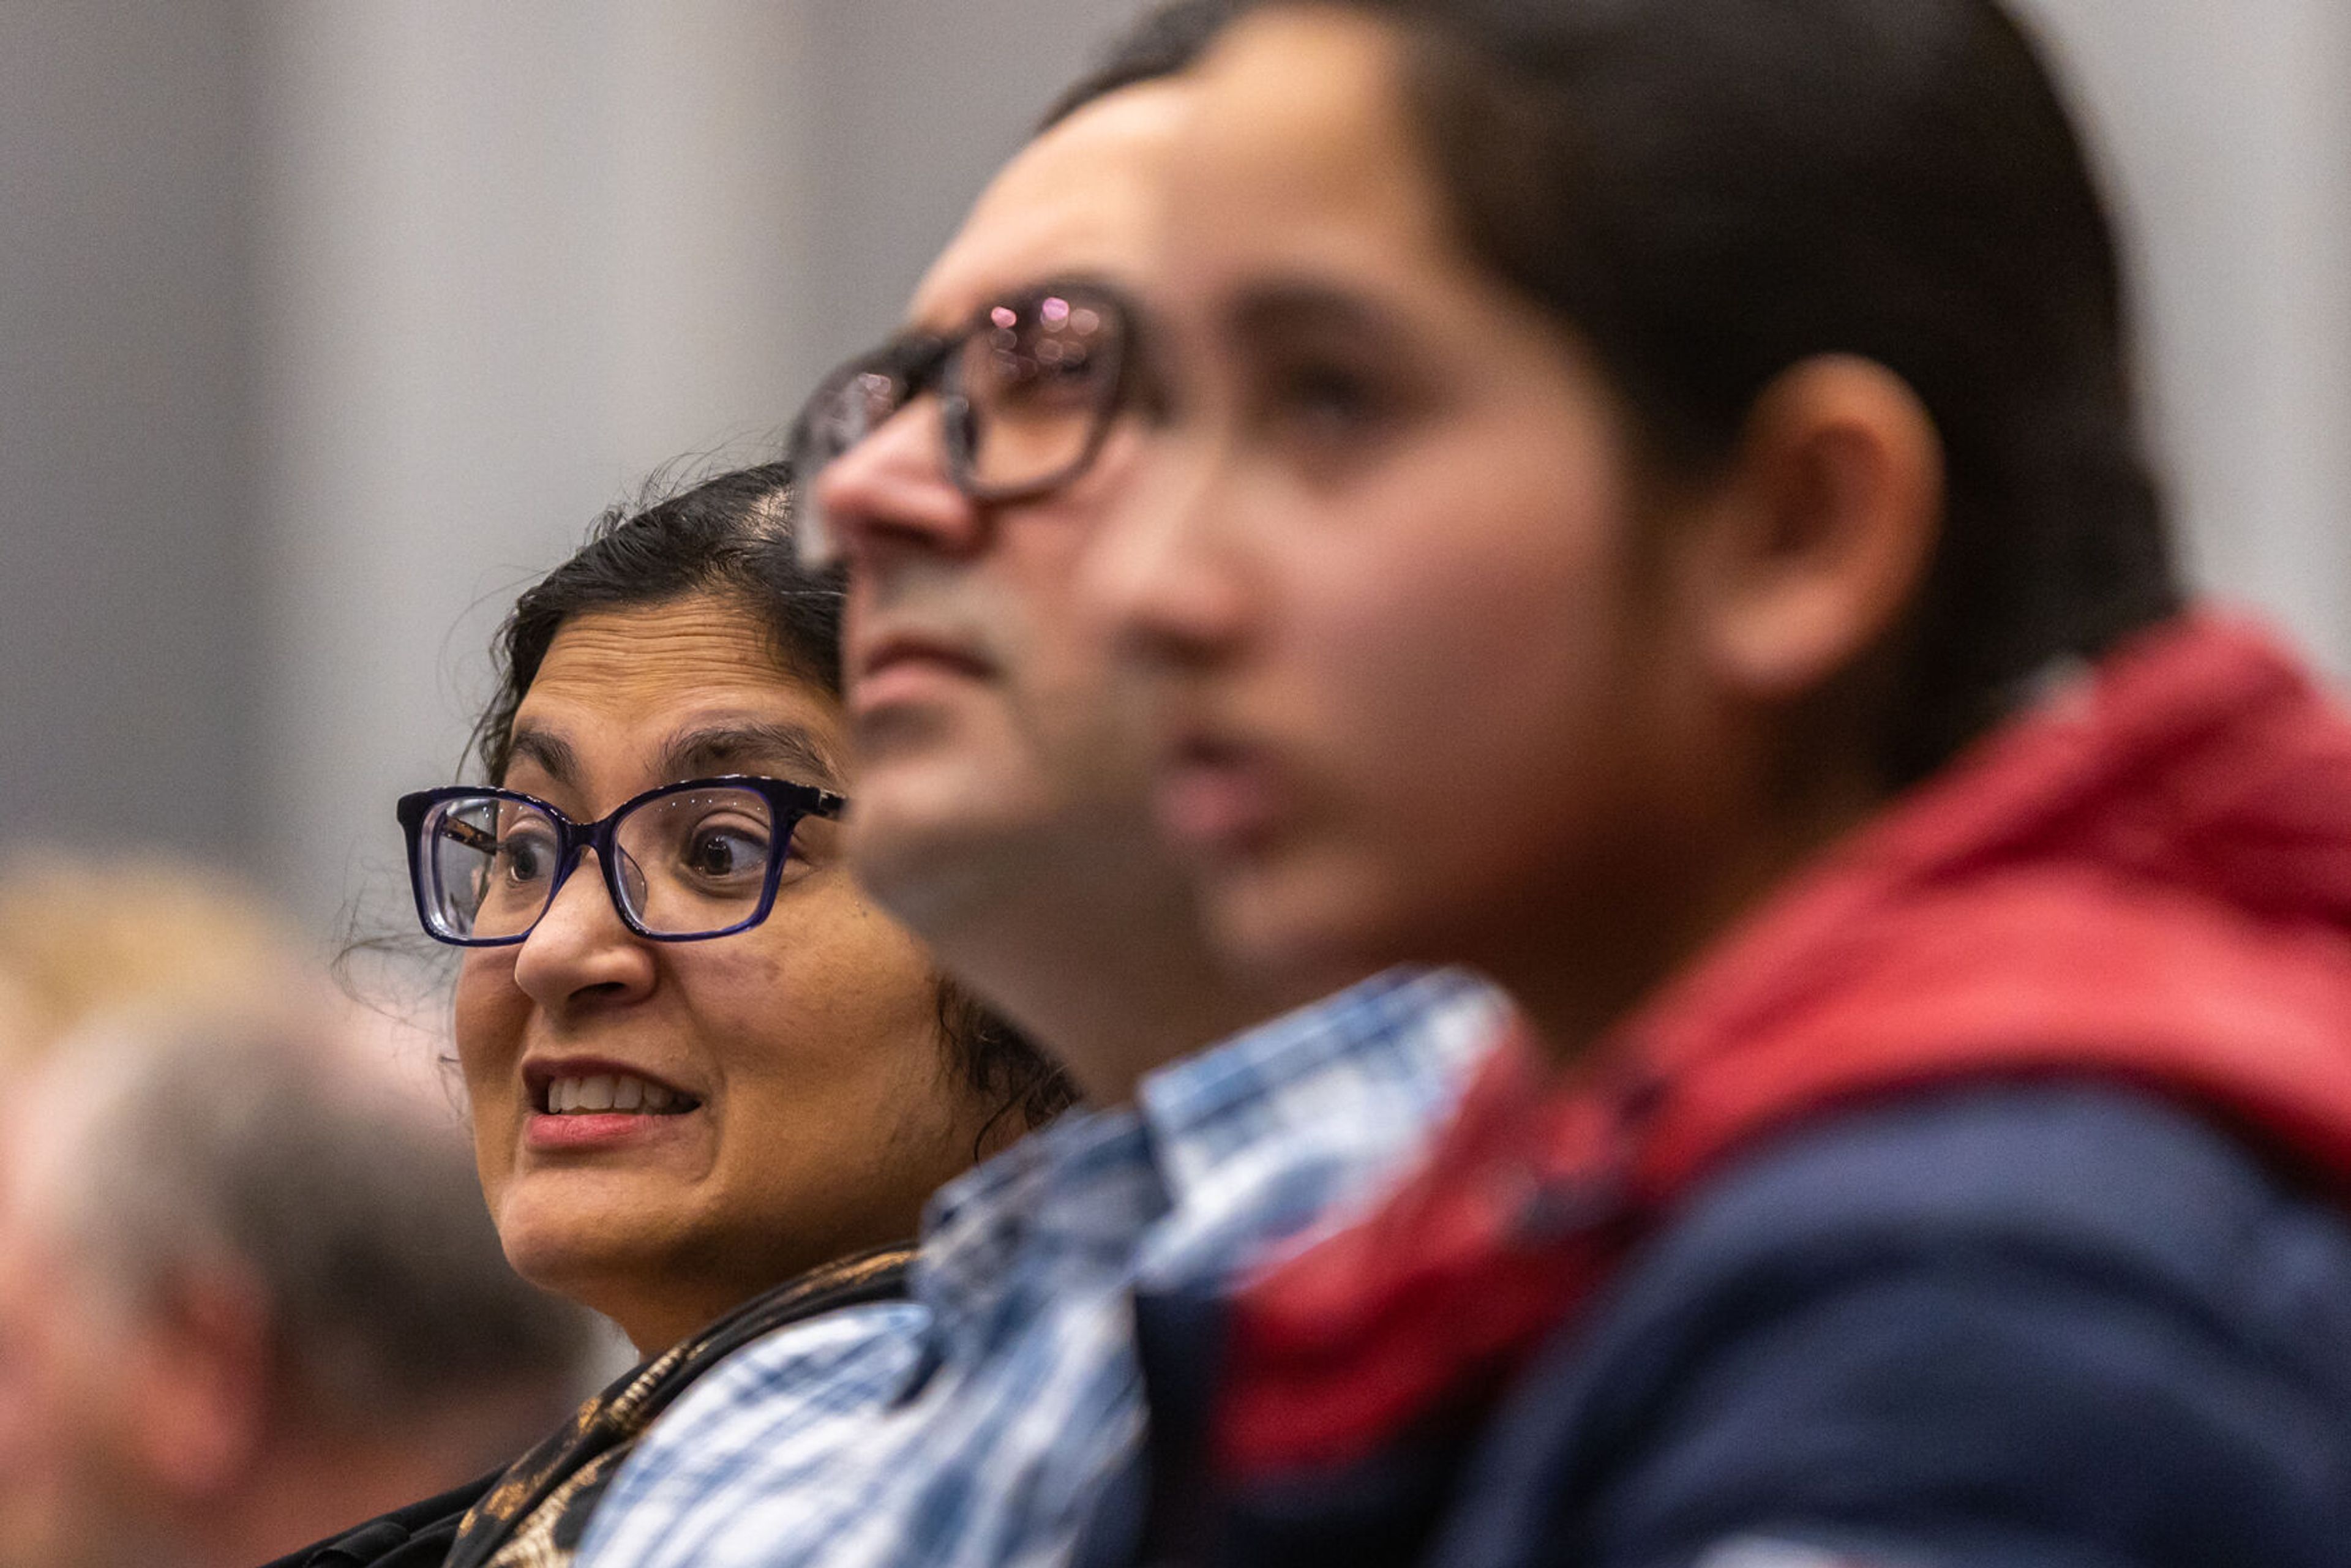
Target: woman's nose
581,951
891,491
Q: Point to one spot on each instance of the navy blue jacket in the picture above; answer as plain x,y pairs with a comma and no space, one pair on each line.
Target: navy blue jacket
2044,1326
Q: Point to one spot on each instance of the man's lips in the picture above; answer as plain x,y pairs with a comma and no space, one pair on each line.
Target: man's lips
903,667
892,649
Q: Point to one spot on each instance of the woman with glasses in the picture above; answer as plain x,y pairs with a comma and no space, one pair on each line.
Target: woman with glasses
1651,508
711,1085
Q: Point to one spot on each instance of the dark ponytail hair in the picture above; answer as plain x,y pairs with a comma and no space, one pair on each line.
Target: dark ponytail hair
731,536
1711,191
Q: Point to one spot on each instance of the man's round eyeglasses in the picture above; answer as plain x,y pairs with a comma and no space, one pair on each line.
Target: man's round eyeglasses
1028,391
681,863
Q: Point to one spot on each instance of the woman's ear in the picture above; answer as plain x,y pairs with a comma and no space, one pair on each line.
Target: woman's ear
1816,543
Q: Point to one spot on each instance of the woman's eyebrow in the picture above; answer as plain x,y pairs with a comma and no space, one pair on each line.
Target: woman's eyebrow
1283,306
552,753
734,747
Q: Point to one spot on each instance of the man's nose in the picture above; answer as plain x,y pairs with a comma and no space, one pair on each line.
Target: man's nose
891,491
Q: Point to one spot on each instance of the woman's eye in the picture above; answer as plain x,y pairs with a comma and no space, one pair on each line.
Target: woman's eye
1325,403
525,857
719,853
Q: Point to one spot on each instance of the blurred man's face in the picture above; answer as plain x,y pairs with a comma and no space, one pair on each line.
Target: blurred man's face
69,1491
993,743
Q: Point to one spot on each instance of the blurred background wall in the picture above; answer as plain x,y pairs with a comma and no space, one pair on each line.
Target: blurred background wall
324,326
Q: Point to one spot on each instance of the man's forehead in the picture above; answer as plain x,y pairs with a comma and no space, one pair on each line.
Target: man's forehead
1082,199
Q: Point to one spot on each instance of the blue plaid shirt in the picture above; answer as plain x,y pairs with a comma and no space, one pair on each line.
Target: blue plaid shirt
979,1422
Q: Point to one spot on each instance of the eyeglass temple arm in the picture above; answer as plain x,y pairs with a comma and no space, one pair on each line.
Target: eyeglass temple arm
466,833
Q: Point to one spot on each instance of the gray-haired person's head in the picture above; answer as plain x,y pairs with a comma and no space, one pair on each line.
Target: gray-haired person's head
325,1175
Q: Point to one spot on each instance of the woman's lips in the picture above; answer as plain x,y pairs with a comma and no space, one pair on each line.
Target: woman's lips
581,1102
1216,797
604,1129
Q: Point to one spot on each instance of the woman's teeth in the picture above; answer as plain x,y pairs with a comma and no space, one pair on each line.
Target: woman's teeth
606,1092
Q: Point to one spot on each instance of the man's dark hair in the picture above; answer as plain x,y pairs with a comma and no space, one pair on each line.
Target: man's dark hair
1166,40
1711,191
731,536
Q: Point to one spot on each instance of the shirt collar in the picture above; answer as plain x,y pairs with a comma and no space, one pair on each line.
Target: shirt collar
1095,1182
1400,1025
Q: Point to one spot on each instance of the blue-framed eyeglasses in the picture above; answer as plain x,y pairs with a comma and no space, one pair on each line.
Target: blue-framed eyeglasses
681,863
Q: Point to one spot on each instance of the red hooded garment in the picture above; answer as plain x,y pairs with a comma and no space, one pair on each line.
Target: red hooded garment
2145,880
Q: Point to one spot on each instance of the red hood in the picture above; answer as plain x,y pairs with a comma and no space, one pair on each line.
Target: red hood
2148,878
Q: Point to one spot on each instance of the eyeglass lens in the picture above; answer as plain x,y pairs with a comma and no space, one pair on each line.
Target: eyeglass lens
1027,393
1038,382
691,863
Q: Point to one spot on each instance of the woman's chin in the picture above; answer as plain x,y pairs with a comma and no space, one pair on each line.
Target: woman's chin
1298,920
592,1242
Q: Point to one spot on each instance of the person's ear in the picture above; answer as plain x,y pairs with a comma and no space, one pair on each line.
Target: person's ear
202,1379
1815,545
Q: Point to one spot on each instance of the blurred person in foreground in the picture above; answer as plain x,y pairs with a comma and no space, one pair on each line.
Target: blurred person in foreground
1651,506
1001,811
711,1085
247,1287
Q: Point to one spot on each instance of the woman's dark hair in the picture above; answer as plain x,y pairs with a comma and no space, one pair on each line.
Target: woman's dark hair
732,536
1710,192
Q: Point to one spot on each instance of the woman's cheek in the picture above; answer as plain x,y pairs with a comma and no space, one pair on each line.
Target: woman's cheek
853,960
488,1017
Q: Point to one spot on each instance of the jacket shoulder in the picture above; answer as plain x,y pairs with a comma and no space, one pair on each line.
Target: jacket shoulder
2077,1308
